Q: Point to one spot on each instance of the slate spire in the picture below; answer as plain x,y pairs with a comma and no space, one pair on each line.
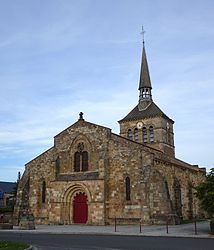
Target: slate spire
145,86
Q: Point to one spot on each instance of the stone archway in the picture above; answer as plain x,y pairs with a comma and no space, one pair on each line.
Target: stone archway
68,207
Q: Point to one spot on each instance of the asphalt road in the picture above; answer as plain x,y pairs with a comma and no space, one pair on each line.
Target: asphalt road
108,242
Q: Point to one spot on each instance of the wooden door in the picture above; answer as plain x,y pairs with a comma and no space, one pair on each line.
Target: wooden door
80,208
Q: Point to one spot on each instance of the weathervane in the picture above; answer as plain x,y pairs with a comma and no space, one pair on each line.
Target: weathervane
142,33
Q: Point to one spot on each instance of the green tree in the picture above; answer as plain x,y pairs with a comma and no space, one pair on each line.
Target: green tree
205,193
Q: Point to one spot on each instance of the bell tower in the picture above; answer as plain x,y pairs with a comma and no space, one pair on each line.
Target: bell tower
146,123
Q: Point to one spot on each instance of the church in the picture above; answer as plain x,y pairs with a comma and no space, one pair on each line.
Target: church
92,175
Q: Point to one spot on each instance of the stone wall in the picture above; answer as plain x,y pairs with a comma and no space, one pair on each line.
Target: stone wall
161,186
181,179
124,161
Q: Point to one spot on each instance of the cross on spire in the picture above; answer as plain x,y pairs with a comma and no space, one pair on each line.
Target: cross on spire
142,33
81,116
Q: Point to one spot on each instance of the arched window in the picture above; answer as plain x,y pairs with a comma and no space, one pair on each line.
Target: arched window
84,161
128,189
168,136
81,161
146,93
43,191
136,134
151,134
57,165
7,201
77,162
144,134
129,134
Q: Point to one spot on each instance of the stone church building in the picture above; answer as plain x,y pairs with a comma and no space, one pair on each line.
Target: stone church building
92,175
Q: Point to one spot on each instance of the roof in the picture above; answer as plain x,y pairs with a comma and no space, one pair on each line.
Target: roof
7,187
151,111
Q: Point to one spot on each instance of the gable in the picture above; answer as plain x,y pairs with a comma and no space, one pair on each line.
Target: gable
81,130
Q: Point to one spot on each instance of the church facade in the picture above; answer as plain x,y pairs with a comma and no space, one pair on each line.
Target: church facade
91,175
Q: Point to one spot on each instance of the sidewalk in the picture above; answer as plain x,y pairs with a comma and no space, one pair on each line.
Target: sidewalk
185,230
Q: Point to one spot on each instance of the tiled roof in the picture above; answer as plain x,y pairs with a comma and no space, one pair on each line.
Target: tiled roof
7,187
151,111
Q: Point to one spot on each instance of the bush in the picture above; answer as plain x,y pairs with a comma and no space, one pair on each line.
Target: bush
204,192
212,226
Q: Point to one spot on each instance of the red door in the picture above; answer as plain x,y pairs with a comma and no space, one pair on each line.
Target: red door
80,208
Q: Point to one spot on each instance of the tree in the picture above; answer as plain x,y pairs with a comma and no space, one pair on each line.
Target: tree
205,193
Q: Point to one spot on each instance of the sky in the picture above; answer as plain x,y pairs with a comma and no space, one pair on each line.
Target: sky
60,57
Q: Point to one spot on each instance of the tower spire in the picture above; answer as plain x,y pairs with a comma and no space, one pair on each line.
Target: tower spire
145,86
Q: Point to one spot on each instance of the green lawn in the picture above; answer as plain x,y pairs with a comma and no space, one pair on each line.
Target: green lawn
9,245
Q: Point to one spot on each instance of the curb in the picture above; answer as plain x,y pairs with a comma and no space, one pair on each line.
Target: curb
133,235
31,248
198,236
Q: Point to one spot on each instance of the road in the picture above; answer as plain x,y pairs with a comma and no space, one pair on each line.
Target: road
108,242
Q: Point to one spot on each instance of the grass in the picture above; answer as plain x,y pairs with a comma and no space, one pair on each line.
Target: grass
9,245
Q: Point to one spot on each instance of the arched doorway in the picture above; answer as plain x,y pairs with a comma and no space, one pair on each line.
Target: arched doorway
80,208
